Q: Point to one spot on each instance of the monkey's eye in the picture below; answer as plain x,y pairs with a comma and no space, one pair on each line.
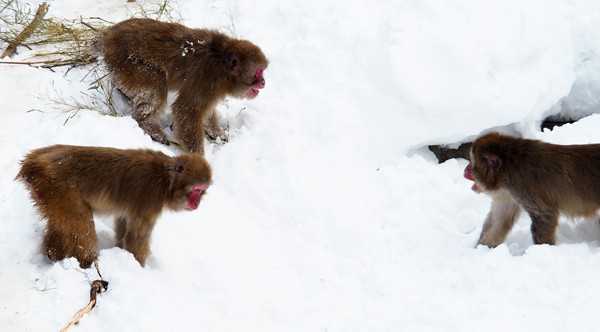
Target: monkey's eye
259,72
199,189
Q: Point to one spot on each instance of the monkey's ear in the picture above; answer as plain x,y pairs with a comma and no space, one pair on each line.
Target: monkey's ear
492,160
233,61
180,166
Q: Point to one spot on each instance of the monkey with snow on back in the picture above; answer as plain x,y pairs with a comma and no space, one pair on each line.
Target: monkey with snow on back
148,58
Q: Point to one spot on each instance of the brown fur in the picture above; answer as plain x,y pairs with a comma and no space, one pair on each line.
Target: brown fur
71,183
148,58
543,179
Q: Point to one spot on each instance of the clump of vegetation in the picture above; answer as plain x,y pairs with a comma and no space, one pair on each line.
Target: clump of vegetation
164,10
51,42
57,42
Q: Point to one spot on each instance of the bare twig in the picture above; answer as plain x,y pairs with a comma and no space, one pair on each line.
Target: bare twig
29,63
53,63
97,287
19,44
37,19
89,26
96,264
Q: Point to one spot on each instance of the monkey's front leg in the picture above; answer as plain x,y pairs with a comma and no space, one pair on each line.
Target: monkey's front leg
212,128
501,219
188,120
137,237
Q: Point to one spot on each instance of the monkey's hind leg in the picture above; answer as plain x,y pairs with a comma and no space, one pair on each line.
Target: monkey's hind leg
148,125
543,228
120,231
70,231
147,90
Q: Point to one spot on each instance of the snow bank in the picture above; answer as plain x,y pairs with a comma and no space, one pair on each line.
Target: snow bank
319,219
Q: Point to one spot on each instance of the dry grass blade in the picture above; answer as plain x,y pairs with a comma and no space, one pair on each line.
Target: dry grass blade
165,10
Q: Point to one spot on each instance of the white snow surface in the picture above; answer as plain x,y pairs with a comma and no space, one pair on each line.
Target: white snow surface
327,213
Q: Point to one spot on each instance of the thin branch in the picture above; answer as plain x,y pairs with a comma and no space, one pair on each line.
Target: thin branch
49,64
97,287
89,26
20,44
37,19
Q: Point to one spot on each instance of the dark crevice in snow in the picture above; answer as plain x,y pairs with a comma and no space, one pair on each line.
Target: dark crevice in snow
555,121
444,152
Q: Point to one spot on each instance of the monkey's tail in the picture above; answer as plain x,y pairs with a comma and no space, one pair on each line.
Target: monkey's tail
96,45
22,175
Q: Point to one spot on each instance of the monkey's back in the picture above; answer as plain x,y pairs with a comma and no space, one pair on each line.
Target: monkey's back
572,174
564,177
98,174
171,47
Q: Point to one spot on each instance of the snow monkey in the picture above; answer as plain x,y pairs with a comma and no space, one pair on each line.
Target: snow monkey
149,58
541,178
70,183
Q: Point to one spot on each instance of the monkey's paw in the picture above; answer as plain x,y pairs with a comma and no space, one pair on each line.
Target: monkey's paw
162,139
220,135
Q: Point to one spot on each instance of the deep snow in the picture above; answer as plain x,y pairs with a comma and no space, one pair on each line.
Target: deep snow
327,213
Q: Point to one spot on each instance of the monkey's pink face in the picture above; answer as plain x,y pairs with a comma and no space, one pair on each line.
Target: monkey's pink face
194,197
259,83
468,176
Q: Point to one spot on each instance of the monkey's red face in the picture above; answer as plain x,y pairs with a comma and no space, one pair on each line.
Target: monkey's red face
468,176
194,197
259,83
485,170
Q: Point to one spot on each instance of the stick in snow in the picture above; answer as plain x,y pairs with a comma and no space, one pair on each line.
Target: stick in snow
37,19
97,287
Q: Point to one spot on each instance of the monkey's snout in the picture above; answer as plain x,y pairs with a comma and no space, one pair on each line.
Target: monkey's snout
467,172
468,176
194,197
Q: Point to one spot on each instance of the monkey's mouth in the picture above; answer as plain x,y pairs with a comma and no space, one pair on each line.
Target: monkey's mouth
253,92
255,88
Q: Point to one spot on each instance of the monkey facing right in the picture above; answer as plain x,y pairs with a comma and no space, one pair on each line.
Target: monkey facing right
546,180
69,184
147,58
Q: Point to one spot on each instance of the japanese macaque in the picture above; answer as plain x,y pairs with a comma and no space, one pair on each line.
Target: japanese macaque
70,183
149,58
541,178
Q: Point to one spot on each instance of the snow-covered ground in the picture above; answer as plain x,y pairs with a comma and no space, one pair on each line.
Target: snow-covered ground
327,213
